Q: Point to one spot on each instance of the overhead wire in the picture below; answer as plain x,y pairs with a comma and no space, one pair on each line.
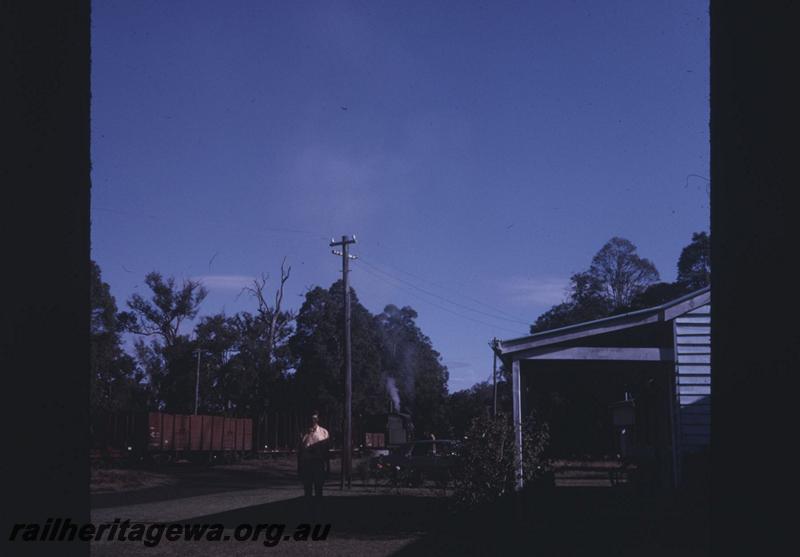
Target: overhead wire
443,308
442,297
497,314
516,318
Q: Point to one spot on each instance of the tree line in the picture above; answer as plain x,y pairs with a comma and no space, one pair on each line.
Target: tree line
271,359
618,280
264,361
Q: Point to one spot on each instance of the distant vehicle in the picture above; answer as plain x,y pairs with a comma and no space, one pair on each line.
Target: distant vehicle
413,463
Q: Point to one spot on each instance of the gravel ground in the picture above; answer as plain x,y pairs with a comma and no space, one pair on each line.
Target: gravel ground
115,480
378,520
366,519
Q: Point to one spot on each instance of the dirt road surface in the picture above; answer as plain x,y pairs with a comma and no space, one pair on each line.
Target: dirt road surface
365,519
380,520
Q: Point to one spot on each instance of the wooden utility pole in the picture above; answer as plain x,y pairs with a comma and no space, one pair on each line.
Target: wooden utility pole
494,376
347,448
197,381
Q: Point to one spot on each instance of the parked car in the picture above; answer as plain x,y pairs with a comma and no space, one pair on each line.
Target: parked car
413,463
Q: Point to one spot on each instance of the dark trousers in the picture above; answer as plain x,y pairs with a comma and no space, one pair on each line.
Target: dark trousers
312,473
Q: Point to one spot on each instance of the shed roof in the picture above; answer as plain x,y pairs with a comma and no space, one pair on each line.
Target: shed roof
664,312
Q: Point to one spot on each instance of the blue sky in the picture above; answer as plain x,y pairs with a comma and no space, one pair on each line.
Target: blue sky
481,152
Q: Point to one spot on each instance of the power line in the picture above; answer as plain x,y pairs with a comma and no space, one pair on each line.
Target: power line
515,317
442,297
448,310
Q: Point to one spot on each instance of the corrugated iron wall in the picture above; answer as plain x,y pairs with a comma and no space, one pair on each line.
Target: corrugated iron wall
693,380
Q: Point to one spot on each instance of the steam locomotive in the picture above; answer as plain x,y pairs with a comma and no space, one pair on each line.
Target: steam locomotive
382,432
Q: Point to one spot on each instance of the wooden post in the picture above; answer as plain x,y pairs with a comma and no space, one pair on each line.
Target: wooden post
674,411
348,377
494,377
347,448
516,396
197,383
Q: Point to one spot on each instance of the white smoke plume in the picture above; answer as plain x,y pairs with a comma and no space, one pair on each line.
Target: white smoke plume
392,388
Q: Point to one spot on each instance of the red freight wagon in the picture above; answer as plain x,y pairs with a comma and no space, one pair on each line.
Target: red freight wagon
182,439
248,434
229,437
141,436
217,433
167,432
207,422
154,429
196,433
240,434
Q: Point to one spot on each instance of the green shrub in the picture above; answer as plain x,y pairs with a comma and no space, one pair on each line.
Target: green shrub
488,469
361,469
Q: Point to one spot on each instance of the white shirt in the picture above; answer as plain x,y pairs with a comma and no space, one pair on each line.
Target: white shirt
317,434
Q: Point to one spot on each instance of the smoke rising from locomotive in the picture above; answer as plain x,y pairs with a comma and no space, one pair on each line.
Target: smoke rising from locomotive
391,387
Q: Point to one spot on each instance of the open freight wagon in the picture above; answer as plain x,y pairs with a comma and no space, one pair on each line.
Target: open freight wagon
162,437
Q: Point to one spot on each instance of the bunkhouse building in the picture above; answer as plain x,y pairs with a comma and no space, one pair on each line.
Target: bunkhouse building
635,384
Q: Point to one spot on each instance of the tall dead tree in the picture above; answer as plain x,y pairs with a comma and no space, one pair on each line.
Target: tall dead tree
270,314
273,318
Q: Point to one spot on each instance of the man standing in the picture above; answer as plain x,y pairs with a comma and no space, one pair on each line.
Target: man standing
312,459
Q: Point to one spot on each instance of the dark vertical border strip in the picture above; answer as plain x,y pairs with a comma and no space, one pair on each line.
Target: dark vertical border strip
45,356
754,336
45,346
